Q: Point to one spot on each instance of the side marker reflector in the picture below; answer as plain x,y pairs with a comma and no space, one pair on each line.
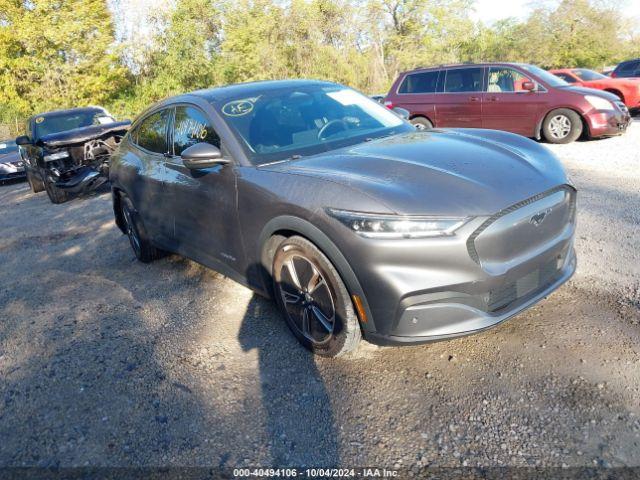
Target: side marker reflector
357,301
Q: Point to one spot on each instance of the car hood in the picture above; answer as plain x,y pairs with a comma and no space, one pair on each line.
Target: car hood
439,172
591,91
82,134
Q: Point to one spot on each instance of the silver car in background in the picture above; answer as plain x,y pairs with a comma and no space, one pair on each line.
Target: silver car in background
354,222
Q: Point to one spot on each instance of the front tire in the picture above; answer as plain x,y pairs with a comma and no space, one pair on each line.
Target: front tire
314,299
137,234
36,184
56,195
562,126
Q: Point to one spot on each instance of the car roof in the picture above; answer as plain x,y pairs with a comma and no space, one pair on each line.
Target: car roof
455,65
248,89
55,113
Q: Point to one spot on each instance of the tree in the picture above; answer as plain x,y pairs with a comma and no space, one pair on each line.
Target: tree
56,54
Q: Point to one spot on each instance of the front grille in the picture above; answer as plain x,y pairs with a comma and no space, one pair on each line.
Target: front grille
534,281
471,241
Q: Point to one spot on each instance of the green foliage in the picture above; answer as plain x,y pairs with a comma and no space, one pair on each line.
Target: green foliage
56,53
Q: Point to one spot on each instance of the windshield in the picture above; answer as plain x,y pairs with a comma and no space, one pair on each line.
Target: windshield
548,78
587,75
306,120
7,146
63,121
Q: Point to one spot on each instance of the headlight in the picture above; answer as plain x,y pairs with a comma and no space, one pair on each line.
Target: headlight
55,156
599,103
393,226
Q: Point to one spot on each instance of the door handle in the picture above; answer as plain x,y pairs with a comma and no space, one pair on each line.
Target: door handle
474,99
493,99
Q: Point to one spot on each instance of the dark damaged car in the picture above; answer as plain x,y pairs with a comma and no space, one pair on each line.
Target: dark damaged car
67,152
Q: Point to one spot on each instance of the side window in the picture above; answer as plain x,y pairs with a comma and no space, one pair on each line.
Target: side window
565,77
424,82
151,134
463,80
506,80
629,67
192,126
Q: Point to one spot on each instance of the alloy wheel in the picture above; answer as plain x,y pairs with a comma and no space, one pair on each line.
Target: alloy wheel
307,299
560,126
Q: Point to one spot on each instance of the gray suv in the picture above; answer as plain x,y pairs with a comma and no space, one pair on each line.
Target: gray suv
355,223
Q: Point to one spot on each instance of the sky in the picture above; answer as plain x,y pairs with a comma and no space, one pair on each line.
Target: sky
490,11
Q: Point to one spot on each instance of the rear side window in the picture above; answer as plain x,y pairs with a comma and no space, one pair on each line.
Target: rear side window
192,126
463,80
151,134
565,77
423,82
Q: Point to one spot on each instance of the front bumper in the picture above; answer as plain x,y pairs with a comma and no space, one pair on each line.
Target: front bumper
425,290
609,122
455,319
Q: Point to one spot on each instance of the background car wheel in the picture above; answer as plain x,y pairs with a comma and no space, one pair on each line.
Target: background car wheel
421,123
313,299
35,183
138,238
562,126
55,194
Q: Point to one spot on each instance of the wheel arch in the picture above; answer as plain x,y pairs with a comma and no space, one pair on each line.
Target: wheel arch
616,92
280,228
116,197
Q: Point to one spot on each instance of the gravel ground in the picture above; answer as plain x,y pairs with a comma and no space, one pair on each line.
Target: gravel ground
108,362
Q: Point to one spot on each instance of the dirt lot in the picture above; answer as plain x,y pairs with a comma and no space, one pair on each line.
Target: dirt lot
106,361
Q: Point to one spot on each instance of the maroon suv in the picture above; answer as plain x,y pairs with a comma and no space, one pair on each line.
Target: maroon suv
518,98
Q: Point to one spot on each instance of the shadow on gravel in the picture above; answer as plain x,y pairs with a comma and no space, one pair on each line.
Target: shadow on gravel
299,417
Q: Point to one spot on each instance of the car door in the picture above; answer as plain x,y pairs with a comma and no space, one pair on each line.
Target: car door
149,138
507,105
460,102
203,201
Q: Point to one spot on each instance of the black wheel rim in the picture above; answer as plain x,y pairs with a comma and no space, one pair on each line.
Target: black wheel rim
307,299
132,233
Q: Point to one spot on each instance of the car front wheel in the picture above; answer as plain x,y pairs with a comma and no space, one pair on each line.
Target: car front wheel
562,126
313,299
36,184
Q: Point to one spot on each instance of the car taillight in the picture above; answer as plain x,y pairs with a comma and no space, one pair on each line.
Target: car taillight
613,75
388,104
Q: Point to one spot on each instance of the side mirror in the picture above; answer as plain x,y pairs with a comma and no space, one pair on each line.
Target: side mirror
23,140
202,155
402,112
528,86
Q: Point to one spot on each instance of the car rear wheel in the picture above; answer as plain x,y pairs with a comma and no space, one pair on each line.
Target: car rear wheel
138,238
421,123
56,195
562,126
36,184
313,299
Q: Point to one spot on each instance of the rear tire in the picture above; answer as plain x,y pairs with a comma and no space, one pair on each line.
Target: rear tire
562,126
56,195
421,123
313,299
36,184
137,234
